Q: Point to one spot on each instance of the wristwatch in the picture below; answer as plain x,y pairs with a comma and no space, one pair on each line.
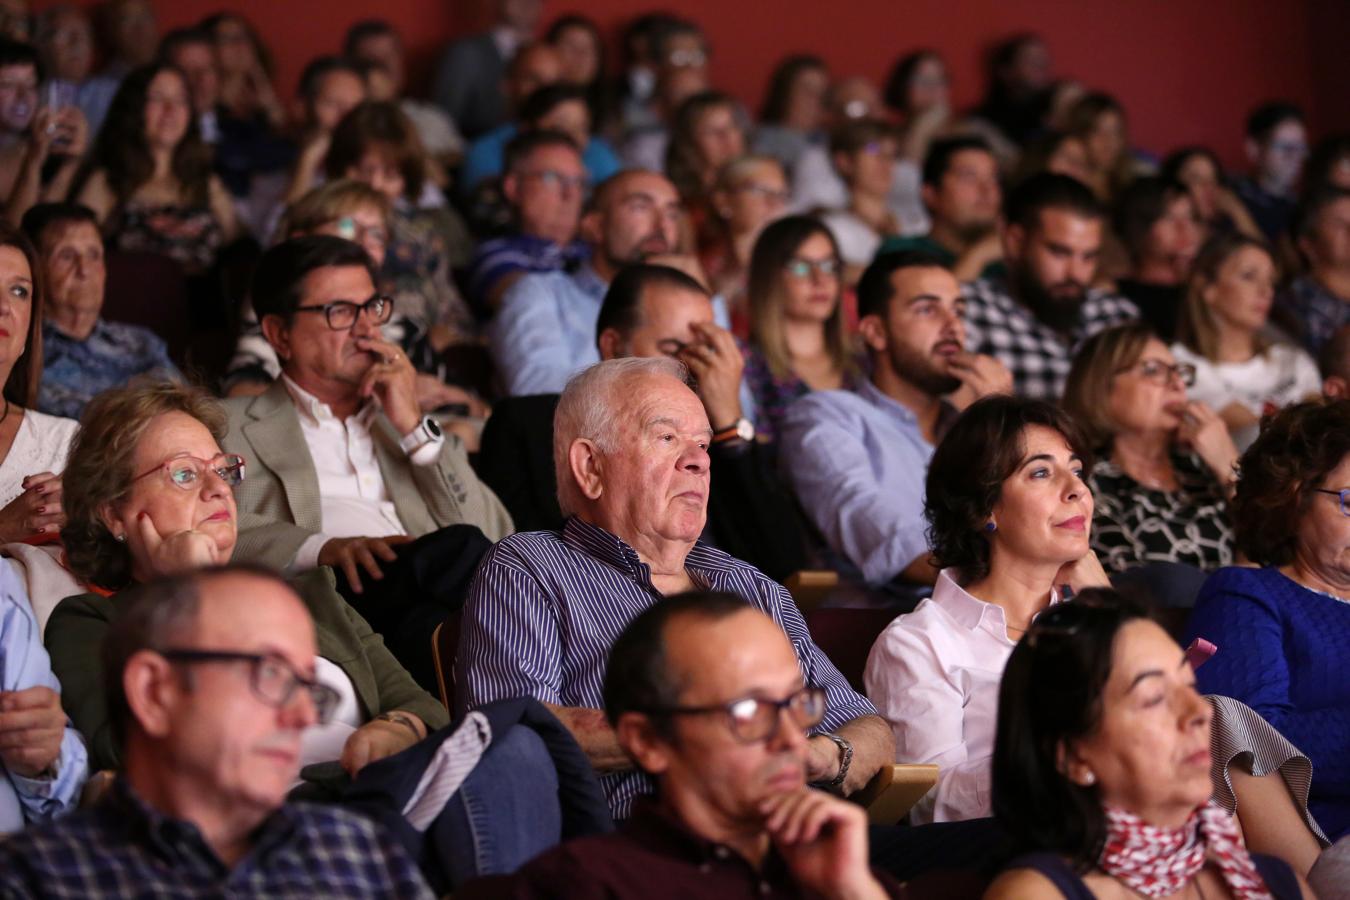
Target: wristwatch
399,718
845,758
426,431
741,429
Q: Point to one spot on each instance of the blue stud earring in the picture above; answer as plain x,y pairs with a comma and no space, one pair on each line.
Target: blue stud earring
990,527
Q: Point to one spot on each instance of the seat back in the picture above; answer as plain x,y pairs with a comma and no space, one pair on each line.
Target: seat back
444,644
846,636
149,290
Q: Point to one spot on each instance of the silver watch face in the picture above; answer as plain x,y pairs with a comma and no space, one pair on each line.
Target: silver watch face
745,430
433,427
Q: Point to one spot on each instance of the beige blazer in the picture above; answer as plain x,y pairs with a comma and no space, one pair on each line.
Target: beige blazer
279,499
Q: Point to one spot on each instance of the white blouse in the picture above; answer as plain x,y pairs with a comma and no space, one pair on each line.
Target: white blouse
1284,374
41,444
934,674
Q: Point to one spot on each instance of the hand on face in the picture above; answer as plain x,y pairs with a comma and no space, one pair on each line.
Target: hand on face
716,364
1204,432
32,725
393,381
980,375
36,511
823,840
1084,572
170,554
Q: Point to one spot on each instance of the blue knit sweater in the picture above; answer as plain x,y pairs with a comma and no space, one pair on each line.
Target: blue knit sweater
1284,650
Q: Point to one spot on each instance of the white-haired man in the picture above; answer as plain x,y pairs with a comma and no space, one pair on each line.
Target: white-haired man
630,445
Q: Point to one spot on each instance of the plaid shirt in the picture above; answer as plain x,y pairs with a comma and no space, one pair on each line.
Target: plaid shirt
124,848
1036,354
1320,313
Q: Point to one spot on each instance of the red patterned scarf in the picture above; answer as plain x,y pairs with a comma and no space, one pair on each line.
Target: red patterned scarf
1159,862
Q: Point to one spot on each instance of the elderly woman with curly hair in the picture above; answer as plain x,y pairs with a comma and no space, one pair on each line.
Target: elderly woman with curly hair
1009,514
1282,629
148,493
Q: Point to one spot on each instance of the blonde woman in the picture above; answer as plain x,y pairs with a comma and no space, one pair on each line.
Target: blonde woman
1240,370
750,192
799,341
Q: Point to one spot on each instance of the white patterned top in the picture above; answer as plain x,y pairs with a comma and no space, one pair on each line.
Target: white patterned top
41,445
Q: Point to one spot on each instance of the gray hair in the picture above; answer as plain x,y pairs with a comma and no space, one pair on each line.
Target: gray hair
589,407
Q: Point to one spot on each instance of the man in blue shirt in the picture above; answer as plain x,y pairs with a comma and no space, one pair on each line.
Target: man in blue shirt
858,460
43,759
545,186
82,353
545,330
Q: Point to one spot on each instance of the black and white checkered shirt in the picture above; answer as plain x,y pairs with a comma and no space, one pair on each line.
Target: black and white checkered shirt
1035,353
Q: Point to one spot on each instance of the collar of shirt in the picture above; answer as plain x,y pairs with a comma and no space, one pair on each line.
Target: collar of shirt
180,842
970,612
506,41
899,411
709,568
316,411
589,281
50,333
1089,312
658,830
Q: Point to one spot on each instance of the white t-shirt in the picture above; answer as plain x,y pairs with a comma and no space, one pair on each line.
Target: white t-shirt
1284,374
857,241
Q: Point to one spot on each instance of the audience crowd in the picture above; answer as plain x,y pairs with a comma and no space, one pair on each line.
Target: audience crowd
569,484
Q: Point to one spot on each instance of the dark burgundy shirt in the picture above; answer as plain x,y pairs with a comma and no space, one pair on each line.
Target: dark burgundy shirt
651,857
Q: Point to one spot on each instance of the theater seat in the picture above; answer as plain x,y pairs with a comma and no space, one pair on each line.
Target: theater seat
151,291
894,789
444,644
846,636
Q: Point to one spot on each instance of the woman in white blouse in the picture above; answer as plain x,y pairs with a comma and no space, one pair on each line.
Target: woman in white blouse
33,446
1009,515
1240,371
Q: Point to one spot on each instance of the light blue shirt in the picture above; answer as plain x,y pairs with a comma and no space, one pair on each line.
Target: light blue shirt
487,155
544,332
858,462
24,664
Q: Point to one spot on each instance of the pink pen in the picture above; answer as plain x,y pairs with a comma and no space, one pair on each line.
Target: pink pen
1199,651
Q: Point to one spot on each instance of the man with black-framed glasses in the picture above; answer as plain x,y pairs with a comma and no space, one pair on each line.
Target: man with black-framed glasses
706,695
344,468
210,700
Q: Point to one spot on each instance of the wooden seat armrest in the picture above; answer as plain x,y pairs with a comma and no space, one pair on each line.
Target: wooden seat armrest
894,790
810,587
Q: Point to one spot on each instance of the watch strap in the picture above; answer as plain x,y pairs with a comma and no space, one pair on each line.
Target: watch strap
845,759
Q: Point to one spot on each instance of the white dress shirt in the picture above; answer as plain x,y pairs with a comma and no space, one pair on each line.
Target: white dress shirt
933,674
353,500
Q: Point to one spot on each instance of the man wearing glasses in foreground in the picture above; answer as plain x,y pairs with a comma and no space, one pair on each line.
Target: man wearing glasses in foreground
706,695
344,469
210,698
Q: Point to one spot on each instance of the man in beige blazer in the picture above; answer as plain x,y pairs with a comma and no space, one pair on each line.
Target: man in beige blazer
344,469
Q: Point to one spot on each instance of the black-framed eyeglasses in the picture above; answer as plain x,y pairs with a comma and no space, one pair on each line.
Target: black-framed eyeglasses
273,680
802,268
754,719
1158,371
341,314
1343,495
187,472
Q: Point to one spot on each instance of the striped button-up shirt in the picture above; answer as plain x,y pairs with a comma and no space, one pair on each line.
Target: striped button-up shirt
545,608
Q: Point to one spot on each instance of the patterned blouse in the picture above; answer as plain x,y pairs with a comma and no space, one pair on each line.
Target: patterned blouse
188,234
1134,524
773,395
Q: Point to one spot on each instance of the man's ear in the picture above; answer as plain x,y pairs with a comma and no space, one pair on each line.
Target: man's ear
873,331
587,464
638,736
1253,148
591,229
511,188
843,164
278,334
1335,388
152,692
928,194
1014,239
610,344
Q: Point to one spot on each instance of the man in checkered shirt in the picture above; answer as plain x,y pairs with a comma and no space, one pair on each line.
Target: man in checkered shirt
1034,318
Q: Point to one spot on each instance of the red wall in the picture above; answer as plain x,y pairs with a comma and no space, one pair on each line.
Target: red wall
1187,70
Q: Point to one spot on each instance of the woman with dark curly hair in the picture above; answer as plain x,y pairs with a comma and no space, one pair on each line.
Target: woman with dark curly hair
151,184
1009,517
1282,629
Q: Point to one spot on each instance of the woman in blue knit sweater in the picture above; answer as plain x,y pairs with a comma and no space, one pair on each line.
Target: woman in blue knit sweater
1283,630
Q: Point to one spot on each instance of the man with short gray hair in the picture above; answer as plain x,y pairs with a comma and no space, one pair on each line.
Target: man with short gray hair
631,452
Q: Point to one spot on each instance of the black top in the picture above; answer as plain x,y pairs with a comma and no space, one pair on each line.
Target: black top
1275,872
750,515
1159,304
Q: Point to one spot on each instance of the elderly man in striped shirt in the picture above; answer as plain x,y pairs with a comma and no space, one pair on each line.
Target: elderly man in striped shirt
630,447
